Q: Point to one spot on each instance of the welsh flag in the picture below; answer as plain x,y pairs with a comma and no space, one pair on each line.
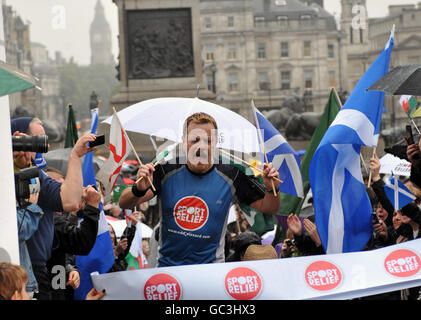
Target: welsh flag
135,258
108,174
410,105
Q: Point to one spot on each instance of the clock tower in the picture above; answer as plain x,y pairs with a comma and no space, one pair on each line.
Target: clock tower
100,35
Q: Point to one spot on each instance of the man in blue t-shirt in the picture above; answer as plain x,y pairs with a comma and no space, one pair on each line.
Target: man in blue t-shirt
53,197
195,196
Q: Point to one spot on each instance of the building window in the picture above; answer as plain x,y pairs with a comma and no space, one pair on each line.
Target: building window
331,75
233,82
305,20
330,50
282,21
285,80
361,35
262,78
308,78
209,52
230,21
351,34
284,49
261,51
208,22
259,21
307,48
232,51
210,82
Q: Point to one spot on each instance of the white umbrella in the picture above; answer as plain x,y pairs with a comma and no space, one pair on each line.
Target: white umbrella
119,225
164,118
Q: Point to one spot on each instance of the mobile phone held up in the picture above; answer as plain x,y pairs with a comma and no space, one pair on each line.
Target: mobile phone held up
98,141
410,139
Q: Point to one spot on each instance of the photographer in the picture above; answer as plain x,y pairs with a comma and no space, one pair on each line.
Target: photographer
53,196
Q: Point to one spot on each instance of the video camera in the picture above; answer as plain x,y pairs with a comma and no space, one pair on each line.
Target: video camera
38,144
26,183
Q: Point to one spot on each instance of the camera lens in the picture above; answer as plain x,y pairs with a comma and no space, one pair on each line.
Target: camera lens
37,144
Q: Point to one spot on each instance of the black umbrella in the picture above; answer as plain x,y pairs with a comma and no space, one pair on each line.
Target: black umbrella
58,159
402,80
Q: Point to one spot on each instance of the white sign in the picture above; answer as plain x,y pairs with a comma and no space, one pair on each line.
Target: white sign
400,167
336,276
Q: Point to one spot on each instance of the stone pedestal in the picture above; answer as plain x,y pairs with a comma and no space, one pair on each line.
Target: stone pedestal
160,51
160,56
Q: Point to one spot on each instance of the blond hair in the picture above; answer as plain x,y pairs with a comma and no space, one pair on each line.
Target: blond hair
12,279
199,118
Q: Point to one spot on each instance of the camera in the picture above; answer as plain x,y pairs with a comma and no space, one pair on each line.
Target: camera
290,243
26,183
38,144
374,218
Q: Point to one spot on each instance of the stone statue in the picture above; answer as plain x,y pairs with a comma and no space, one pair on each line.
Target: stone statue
94,101
292,120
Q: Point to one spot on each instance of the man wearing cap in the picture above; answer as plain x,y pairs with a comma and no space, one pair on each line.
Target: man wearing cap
195,195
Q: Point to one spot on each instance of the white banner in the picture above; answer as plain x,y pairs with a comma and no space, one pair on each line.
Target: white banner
9,245
336,276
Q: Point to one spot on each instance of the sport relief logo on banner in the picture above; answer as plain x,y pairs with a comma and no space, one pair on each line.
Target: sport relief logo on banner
323,276
162,286
243,283
191,213
402,263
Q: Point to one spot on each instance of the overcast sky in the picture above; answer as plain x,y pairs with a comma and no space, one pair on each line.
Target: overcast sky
63,25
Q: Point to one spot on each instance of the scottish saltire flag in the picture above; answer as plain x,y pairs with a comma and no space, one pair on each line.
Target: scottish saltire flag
398,195
101,257
39,161
342,207
282,155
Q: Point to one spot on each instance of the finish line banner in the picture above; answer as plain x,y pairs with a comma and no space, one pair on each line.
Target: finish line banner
335,276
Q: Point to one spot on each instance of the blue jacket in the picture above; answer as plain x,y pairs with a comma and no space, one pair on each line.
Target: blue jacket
28,220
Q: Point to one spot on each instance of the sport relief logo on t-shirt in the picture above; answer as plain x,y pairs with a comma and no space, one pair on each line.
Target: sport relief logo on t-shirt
191,213
162,286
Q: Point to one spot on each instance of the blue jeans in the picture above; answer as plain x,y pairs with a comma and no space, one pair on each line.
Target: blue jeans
28,220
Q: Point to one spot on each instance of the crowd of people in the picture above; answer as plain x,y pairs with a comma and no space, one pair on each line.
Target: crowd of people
61,221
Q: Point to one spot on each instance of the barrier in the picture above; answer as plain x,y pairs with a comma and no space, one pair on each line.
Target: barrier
336,276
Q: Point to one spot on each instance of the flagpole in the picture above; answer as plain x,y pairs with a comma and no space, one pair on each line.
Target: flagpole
262,143
246,163
133,149
416,126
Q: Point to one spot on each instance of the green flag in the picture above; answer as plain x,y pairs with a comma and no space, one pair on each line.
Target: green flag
71,132
13,80
259,222
291,204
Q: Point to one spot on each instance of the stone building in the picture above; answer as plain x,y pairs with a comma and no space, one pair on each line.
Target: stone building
46,70
361,53
100,37
268,49
18,53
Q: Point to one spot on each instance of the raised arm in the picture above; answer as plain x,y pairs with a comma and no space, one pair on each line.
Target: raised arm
72,187
140,192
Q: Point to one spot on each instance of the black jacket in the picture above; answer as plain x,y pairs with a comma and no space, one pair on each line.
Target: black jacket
378,188
70,240
306,245
120,263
